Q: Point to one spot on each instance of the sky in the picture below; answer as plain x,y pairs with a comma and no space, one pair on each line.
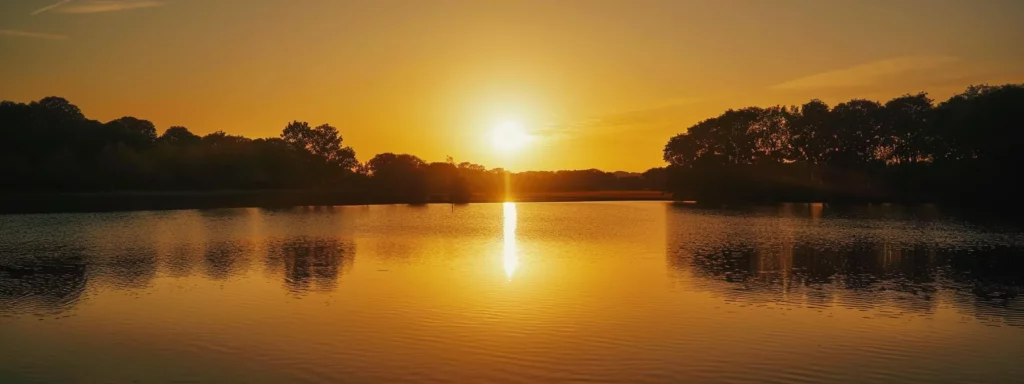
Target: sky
596,84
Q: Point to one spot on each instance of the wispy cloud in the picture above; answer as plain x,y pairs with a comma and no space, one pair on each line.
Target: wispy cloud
640,117
32,35
866,74
51,6
97,6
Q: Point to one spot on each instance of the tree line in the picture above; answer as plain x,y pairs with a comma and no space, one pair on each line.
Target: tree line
50,146
909,149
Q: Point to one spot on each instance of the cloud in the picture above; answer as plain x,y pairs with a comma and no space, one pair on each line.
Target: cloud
867,74
51,6
97,6
33,35
650,115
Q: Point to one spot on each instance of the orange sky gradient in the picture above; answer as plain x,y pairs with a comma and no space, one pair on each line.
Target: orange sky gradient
599,84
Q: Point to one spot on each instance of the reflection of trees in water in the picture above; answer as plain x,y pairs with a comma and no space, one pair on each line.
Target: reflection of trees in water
128,268
310,264
989,283
51,279
41,282
891,267
861,276
225,259
180,259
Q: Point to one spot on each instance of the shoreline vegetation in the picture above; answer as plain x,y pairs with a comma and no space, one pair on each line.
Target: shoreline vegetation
963,152
960,153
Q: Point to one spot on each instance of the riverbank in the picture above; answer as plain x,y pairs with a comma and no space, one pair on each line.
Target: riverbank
14,203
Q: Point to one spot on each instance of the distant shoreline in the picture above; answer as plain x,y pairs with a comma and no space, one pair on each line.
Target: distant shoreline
127,201
83,202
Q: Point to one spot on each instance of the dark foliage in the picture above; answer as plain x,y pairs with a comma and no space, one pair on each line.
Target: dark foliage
49,146
906,150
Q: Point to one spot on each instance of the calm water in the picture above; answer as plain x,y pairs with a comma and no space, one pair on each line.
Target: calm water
529,292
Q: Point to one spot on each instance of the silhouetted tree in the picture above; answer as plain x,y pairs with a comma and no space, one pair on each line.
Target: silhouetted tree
809,135
179,136
133,132
656,179
57,110
906,149
907,133
855,134
322,141
401,177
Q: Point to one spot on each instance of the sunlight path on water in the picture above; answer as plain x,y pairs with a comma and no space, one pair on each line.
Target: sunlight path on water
510,256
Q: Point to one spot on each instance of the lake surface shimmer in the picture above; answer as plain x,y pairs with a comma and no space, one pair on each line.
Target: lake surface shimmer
627,292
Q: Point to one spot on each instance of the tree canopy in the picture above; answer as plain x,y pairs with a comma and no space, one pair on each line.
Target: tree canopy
908,149
49,145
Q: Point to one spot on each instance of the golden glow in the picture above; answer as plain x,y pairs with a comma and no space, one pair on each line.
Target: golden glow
510,255
509,136
435,81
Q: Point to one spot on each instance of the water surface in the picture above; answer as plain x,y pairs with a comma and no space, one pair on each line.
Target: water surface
528,292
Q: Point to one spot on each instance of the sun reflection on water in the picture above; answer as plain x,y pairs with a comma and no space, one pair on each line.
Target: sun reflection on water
510,255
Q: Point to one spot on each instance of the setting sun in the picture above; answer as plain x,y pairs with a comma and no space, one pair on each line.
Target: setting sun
712,191
509,137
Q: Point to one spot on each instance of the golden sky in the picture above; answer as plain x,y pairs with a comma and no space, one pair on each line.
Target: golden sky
599,84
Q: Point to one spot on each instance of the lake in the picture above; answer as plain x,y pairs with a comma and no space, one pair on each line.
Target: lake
626,292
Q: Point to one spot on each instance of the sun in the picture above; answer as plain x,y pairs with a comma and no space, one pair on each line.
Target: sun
509,137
